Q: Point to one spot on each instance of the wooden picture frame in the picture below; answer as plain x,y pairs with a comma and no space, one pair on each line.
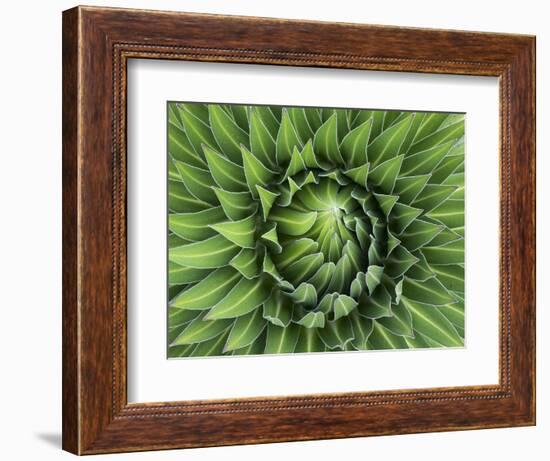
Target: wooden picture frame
97,44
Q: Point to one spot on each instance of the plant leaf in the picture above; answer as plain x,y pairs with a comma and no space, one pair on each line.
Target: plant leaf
376,305
430,291
208,254
281,340
227,133
325,141
228,175
245,330
198,182
194,226
337,334
292,222
245,296
200,330
247,263
385,174
277,309
236,205
239,232
354,145
287,139
209,291
388,143
256,172
429,321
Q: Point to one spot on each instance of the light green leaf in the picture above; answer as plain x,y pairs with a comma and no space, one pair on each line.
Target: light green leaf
228,175
309,341
271,239
211,253
198,131
343,305
362,329
299,120
447,166
419,233
236,205
450,213
180,275
386,202
263,129
373,277
322,277
292,222
295,250
198,182
277,309
312,320
256,172
181,149
400,323
425,161
341,278
429,321
305,294
309,157
387,145
431,122
359,174
451,275
402,216
255,348
287,139
337,334
194,226
213,346
454,131
245,330
181,200
420,271
296,164
385,174
239,232
247,263
408,188
304,268
209,291
451,253
399,262
281,340
382,338
430,291
432,196
267,199
376,305
200,330
325,141
243,298
354,145
227,132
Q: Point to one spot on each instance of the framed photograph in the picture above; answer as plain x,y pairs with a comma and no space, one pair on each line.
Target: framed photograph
284,230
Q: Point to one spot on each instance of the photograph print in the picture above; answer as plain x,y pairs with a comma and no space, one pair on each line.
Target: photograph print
306,229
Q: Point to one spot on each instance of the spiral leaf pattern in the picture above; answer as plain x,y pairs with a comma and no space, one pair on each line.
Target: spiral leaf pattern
295,229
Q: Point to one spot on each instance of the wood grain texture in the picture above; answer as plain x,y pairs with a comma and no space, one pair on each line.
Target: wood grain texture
97,43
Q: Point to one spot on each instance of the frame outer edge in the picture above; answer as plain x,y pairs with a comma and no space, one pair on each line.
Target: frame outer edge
70,235
91,419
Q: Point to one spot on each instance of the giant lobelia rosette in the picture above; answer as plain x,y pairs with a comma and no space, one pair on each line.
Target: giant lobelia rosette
297,229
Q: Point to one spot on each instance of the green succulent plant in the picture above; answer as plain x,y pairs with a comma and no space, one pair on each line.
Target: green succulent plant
297,229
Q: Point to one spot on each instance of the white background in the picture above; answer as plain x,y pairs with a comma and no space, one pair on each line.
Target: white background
153,378
30,247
